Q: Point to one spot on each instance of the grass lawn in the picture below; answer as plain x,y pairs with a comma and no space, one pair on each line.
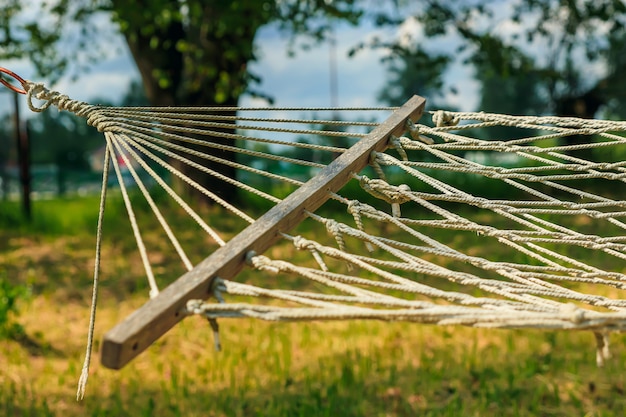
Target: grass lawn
353,368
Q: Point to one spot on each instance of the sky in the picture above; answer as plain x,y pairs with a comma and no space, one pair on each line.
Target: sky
303,80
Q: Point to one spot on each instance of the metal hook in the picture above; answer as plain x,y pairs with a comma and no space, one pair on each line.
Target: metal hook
14,76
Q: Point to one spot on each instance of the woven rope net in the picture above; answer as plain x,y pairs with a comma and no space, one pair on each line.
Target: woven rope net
471,219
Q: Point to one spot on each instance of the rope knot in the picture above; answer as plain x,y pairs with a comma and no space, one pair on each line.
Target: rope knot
201,307
40,92
264,263
375,164
355,207
394,195
364,182
95,119
576,315
442,118
398,196
334,229
194,307
302,243
396,143
62,102
414,131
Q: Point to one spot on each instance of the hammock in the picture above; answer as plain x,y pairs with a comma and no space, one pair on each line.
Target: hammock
435,223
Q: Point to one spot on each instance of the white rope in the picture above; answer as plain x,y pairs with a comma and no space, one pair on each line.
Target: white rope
524,286
182,133
111,142
201,168
549,255
146,194
139,114
178,110
186,207
84,375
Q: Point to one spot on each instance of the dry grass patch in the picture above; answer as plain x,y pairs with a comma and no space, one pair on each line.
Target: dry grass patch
354,368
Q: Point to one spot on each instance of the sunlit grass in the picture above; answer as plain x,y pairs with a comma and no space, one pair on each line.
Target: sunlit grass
350,368
347,368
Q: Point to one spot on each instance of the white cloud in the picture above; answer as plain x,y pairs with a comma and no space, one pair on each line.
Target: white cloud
300,81
109,86
305,79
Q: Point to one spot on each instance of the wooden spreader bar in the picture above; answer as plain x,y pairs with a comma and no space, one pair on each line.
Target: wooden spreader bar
144,326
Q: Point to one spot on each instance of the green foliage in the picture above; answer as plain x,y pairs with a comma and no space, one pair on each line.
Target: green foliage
192,52
63,139
532,57
412,70
62,216
195,51
10,296
187,52
26,35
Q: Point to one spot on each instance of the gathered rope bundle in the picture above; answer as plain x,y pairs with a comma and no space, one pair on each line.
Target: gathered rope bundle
446,225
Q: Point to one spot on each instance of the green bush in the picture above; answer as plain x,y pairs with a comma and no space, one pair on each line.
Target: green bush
10,295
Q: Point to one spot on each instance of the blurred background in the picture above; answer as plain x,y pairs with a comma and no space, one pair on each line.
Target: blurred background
532,57
519,57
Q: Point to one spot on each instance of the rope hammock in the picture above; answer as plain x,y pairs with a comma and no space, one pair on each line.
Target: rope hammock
436,222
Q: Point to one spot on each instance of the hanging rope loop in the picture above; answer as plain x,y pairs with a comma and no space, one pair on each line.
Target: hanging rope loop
49,97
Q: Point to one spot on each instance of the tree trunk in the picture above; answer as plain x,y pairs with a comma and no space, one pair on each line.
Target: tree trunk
197,63
583,106
215,185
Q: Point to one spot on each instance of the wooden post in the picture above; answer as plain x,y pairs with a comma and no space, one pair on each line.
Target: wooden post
139,330
23,156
